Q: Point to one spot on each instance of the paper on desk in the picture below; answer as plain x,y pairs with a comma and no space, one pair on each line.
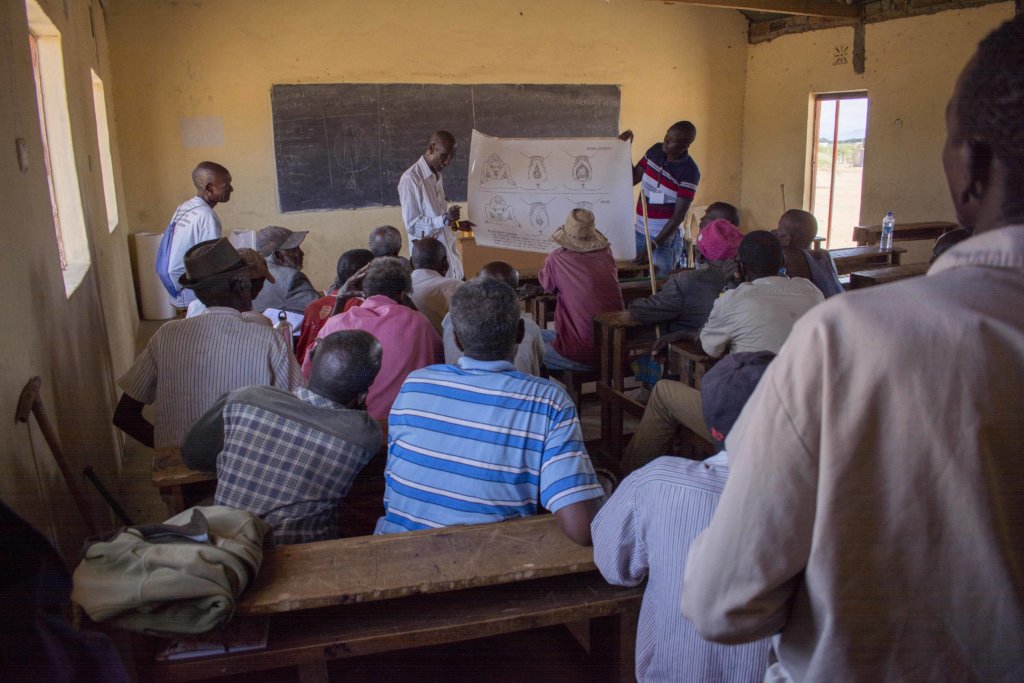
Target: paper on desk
521,190
294,318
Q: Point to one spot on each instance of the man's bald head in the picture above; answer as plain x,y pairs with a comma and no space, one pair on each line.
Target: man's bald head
344,365
440,150
213,182
797,229
501,271
429,253
385,240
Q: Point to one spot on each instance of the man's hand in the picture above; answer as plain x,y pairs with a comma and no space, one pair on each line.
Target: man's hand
626,135
355,283
453,213
466,226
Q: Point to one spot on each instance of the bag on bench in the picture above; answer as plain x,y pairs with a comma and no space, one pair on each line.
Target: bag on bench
182,576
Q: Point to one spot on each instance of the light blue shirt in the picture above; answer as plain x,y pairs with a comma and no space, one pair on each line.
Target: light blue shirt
645,531
481,442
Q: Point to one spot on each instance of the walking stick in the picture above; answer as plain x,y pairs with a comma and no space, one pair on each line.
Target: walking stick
30,402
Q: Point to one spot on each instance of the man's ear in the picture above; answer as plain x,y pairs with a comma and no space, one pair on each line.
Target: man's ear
978,160
521,332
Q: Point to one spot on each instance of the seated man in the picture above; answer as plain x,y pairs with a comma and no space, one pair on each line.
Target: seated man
947,241
408,340
292,290
258,275
318,311
796,232
385,240
431,290
686,299
481,442
646,528
583,274
190,363
758,315
290,457
529,351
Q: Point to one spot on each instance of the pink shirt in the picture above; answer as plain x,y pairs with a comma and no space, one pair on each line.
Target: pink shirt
409,343
587,283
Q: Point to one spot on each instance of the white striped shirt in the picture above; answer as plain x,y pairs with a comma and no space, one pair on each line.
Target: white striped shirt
189,364
645,530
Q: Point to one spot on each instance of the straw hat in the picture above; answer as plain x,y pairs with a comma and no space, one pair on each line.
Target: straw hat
211,259
579,233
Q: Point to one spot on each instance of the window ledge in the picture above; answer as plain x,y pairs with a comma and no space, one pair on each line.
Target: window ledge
74,275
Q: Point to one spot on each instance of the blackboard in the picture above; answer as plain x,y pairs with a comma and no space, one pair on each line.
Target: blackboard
345,145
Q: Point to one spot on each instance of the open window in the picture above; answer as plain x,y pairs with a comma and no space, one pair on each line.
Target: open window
58,148
837,164
99,102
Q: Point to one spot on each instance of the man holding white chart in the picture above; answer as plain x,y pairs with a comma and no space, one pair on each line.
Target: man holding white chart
668,178
425,209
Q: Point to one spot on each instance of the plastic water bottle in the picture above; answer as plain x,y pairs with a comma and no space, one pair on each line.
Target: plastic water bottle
888,227
284,328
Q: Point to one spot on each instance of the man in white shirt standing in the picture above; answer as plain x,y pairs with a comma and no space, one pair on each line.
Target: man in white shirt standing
425,208
194,220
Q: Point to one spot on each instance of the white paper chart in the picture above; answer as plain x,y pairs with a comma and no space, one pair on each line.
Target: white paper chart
521,190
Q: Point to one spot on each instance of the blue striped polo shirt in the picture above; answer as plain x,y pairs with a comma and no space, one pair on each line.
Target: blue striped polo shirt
481,442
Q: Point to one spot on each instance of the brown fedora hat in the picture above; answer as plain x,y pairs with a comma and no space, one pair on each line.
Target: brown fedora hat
579,232
211,259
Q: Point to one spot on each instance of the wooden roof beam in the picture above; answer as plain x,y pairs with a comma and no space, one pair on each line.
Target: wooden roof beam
808,8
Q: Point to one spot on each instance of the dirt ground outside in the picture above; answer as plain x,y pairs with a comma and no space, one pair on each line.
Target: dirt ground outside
846,213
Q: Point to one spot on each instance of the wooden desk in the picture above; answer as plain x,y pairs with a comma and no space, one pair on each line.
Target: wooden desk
865,235
171,476
692,360
358,596
879,276
619,338
859,258
627,270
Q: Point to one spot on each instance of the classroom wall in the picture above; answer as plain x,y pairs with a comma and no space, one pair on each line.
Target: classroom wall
176,59
911,68
76,343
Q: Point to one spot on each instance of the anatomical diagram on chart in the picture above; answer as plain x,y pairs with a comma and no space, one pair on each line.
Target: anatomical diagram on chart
521,190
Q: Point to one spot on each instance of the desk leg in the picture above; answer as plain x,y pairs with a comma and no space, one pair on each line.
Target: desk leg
613,647
895,258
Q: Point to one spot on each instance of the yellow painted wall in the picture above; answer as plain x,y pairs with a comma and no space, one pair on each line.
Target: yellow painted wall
77,344
912,65
206,59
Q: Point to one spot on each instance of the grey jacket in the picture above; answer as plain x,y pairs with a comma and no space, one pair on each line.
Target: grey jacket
686,299
292,291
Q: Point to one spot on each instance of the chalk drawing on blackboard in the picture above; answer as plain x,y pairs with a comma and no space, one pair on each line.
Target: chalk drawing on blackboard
582,171
496,172
499,211
353,152
539,218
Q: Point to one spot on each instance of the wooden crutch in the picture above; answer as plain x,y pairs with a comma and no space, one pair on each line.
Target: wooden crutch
30,402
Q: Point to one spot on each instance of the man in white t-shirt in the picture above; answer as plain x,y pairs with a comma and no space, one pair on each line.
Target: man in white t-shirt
194,220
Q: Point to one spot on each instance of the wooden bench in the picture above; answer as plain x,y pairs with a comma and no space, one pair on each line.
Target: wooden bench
879,276
859,258
373,594
620,339
174,479
866,235
692,361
